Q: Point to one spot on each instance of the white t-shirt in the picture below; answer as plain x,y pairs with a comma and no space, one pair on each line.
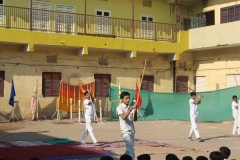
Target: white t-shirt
193,107
234,110
89,110
127,124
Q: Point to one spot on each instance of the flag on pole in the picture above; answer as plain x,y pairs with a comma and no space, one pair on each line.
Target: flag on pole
119,93
33,100
12,95
138,97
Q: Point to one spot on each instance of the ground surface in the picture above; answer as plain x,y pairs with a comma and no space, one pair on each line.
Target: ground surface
171,132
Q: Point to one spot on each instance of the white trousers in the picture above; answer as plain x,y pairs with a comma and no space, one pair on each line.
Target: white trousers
194,129
88,129
129,140
235,125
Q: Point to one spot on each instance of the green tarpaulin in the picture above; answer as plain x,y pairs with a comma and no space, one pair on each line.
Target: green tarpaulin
215,105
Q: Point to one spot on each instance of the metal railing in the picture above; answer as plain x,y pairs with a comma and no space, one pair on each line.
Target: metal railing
72,23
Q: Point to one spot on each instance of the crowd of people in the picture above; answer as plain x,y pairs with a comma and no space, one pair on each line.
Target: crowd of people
222,154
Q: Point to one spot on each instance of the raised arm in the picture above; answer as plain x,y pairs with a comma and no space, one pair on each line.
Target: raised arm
199,99
125,115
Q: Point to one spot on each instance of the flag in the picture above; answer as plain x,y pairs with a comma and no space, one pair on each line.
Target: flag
138,97
82,89
119,93
12,95
33,100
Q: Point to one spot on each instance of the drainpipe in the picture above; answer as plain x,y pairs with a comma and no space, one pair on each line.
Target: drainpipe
133,28
85,16
30,15
173,75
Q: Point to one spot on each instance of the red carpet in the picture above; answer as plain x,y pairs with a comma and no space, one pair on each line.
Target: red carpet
56,152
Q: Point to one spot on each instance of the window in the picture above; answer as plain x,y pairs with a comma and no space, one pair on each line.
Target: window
102,84
210,18
1,12
230,14
102,22
65,18
182,84
147,83
51,83
200,83
147,27
198,21
1,83
41,16
233,80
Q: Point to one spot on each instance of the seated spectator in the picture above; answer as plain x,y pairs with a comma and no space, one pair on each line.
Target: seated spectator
171,157
187,158
202,158
125,157
216,156
106,158
225,151
144,157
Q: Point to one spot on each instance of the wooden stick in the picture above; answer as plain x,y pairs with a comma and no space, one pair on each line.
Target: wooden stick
95,114
236,79
135,110
185,86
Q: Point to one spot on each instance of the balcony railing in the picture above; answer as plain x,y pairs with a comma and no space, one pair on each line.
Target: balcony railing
72,23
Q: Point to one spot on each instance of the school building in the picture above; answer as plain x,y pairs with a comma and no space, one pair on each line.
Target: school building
188,44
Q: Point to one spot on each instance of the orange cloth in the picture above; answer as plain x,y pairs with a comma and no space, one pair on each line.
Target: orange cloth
67,91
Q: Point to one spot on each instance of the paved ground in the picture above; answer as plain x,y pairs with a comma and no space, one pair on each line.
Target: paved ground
172,132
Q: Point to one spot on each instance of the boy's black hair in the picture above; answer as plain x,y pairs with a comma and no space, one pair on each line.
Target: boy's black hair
144,157
106,158
187,158
193,94
123,94
125,157
202,158
216,156
171,157
234,96
225,151
85,93
34,158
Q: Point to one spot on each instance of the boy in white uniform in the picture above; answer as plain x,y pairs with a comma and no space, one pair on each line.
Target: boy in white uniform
235,115
89,115
126,114
194,116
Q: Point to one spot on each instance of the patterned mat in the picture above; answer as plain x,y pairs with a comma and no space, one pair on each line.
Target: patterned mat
50,149
49,141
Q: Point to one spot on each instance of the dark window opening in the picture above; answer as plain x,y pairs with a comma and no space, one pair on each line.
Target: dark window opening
210,18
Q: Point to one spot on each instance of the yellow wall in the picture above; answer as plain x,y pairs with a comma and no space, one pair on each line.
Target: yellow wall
118,9
75,70
52,39
214,64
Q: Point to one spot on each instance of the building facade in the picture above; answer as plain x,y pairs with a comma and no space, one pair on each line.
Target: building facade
107,41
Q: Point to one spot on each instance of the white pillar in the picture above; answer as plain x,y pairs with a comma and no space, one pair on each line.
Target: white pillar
95,112
71,110
100,108
79,111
